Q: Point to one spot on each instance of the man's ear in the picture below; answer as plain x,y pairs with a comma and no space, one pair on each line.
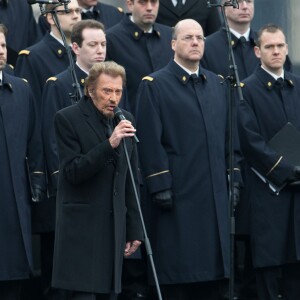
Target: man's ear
257,52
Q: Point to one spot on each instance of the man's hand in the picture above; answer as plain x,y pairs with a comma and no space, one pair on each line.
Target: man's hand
236,193
163,199
122,130
294,178
131,247
38,194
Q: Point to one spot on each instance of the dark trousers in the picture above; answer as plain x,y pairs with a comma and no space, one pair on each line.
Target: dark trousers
47,250
210,290
91,296
10,290
291,281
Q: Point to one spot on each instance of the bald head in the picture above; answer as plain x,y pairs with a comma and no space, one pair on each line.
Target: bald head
184,25
188,43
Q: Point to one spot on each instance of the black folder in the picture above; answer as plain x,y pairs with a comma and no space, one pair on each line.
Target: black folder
286,142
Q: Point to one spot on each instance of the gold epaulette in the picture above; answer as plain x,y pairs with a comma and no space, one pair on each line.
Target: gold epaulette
149,78
26,52
51,79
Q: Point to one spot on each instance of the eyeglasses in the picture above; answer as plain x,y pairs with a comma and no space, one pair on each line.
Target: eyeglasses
247,1
190,38
69,11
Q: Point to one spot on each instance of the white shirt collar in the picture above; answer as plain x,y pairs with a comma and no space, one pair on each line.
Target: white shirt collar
81,68
1,77
187,70
59,40
274,75
238,35
175,2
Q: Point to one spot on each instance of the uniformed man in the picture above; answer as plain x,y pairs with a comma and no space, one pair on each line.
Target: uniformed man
216,59
271,100
18,17
20,138
170,12
182,120
37,63
89,46
139,44
216,56
48,57
107,14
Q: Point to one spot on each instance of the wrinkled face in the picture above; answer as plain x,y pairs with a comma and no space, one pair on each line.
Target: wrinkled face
144,12
272,51
87,3
93,48
67,20
107,94
3,51
189,43
242,15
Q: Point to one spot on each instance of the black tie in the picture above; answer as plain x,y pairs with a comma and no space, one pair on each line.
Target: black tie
88,15
194,78
179,5
279,83
243,41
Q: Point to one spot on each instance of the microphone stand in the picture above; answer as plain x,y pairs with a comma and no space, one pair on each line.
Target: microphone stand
147,241
78,93
234,81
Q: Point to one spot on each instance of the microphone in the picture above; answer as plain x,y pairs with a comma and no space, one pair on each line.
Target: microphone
42,1
118,113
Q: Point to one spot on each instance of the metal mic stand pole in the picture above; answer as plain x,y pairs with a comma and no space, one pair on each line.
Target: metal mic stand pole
78,93
147,241
234,81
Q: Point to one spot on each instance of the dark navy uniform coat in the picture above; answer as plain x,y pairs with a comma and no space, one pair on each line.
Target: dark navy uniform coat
20,138
41,61
208,18
139,53
107,14
97,211
182,132
216,55
23,31
275,219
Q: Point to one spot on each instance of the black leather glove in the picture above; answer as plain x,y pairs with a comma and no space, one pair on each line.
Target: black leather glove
236,193
38,194
294,178
163,199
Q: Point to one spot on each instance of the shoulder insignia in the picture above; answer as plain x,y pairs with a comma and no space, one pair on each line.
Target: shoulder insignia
120,9
149,78
25,80
51,79
25,52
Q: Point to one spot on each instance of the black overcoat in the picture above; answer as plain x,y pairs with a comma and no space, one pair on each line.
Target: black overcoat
275,219
182,131
19,138
96,208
